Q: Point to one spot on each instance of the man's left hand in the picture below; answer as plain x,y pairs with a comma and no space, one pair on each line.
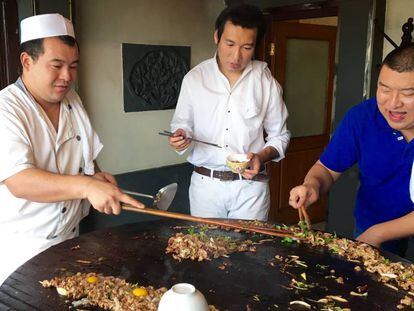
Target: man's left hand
254,167
372,236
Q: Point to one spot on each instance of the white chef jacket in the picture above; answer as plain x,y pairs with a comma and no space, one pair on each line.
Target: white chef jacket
234,118
29,140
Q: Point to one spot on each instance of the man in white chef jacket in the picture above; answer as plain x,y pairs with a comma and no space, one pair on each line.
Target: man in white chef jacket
231,100
48,148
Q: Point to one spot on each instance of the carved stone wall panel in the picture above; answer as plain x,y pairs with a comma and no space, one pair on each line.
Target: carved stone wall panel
152,75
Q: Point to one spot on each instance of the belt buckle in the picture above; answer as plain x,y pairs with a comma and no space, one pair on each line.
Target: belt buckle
225,175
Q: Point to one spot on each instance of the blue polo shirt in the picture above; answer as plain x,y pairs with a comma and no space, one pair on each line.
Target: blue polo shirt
384,160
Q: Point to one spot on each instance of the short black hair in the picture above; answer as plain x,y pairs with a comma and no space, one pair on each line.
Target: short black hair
243,15
401,59
35,47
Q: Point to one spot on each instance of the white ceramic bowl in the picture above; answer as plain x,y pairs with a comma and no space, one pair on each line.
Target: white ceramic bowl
183,297
237,162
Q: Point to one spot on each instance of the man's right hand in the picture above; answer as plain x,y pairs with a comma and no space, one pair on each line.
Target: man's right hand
318,181
107,198
303,195
179,140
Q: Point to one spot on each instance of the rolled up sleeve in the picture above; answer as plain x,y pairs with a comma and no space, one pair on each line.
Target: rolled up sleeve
183,116
275,126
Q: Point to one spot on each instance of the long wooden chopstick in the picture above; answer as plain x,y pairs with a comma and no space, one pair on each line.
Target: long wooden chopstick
208,221
300,213
303,216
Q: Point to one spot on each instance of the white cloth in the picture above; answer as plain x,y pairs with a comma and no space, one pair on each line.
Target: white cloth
45,26
29,140
412,183
234,118
208,109
238,199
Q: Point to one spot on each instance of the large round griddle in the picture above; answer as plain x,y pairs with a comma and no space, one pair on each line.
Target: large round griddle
249,281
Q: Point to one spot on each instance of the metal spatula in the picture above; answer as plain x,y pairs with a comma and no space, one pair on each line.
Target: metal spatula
163,198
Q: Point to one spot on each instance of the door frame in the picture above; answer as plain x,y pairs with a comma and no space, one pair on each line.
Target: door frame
9,42
311,146
265,51
280,57
319,9
303,11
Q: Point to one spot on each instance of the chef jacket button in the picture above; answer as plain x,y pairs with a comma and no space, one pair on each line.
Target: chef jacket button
64,210
80,170
227,145
78,137
228,111
227,129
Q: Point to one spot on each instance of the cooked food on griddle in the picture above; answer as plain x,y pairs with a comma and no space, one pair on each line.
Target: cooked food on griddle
107,292
393,273
203,246
208,242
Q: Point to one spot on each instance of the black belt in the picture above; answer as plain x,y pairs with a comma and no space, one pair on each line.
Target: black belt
227,175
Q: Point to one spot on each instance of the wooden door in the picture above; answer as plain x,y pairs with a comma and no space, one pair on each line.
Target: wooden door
303,61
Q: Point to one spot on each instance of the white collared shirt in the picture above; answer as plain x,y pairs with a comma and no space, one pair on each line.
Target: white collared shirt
29,140
234,118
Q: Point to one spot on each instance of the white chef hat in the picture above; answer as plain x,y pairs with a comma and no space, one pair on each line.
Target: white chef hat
44,26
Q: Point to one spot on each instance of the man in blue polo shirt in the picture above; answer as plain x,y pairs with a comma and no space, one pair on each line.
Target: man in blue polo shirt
377,135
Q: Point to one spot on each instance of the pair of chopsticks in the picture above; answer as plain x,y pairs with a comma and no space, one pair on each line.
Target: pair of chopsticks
170,134
208,221
303,216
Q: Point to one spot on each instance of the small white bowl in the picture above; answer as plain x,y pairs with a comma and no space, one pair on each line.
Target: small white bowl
183,297
237,162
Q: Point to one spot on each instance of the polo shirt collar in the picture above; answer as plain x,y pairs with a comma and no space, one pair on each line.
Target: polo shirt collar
382,122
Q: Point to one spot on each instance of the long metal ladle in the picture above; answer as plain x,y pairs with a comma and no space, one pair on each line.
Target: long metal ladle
163,198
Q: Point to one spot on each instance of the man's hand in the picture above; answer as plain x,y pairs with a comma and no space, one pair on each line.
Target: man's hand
179,141
372,236
106,197
317,182
106,177
394,229
303,195
254,166
259,159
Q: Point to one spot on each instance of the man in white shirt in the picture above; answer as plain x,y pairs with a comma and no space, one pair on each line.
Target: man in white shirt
231,100
48,148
